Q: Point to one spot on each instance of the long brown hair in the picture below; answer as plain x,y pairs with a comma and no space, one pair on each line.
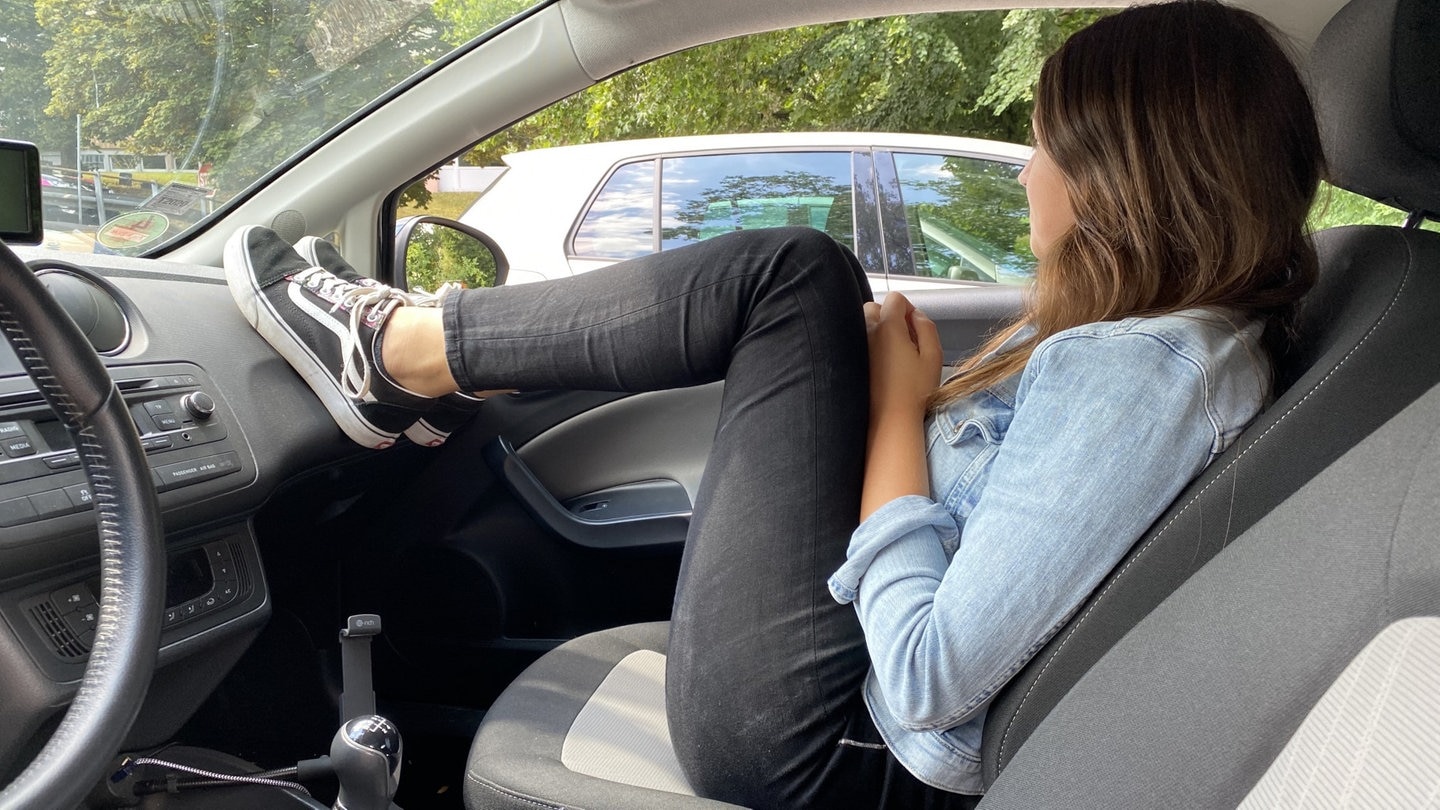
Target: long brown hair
1190,153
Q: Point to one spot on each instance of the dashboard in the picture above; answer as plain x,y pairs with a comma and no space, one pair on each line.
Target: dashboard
223,422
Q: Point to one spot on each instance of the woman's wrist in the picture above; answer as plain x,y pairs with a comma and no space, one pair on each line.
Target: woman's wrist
895,462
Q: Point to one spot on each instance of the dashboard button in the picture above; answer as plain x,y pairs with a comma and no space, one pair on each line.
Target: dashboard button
16,511
52,504
225,591
11,430
166,421
83,620
80,496
155,406
72,598
19,446
63,461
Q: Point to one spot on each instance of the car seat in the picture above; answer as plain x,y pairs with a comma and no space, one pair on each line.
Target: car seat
1307,546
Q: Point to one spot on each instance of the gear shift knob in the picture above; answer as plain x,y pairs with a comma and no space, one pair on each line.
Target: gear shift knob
366,756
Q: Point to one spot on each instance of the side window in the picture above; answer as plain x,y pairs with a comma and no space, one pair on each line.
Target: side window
968,218
707,195
621,222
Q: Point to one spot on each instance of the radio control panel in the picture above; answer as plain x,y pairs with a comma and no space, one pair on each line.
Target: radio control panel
177,414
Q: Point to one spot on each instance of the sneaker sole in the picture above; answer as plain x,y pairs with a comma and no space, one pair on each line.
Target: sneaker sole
252,301
425,435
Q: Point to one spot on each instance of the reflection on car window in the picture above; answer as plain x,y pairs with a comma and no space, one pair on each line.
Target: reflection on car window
621,222
702,196
705,196
968,218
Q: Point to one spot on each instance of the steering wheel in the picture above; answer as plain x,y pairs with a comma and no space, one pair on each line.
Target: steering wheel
132,560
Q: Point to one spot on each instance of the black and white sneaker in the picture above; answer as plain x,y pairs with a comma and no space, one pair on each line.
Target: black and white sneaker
328,329
449,412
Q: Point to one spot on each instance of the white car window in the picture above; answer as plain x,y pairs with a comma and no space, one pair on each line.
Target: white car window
968,218
621,222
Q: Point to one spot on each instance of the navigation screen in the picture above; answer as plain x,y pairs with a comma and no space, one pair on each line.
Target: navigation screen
20,217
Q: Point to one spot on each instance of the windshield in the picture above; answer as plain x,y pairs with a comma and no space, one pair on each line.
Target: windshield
151,114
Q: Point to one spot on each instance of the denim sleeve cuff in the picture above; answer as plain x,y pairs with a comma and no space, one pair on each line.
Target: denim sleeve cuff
890,523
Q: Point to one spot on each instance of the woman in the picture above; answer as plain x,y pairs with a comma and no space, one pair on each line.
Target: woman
1176,159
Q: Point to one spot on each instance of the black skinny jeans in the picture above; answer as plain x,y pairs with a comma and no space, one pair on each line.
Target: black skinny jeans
764,669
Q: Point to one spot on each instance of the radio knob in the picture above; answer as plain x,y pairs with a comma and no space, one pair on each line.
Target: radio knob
199,404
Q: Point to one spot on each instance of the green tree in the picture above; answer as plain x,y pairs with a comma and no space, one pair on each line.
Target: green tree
959,74
205,80
24,94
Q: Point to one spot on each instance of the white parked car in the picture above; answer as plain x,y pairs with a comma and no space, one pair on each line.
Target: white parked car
919,210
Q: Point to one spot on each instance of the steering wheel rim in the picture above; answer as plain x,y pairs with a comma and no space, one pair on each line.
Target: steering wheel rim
77,386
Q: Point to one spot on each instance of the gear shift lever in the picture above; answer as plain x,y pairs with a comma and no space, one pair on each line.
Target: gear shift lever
366,756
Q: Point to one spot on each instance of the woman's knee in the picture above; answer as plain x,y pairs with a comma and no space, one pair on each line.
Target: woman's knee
811,257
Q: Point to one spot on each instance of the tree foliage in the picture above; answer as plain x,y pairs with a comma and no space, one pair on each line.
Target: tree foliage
24,94
958,74
240,84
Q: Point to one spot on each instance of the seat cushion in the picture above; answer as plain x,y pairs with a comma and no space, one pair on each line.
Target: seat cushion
584,726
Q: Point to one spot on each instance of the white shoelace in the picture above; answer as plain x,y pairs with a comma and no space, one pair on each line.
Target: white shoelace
420,298
365,304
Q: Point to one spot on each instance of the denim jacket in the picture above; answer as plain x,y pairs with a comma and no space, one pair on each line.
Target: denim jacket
1039,485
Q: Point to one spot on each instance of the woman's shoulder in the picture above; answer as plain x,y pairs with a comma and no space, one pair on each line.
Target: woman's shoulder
1216,354
1204,323
1208,337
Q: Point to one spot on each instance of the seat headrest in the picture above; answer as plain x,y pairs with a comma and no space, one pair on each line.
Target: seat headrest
1376,80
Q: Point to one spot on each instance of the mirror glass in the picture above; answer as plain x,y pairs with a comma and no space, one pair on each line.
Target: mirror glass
437,253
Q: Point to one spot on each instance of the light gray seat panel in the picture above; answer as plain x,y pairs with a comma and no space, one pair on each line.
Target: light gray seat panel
1372,740
518,759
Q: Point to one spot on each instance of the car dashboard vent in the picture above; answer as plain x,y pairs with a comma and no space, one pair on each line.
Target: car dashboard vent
62,639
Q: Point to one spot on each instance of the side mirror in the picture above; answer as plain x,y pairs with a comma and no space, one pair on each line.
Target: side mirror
430,251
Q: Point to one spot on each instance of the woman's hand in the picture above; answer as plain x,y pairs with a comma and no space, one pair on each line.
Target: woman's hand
905,356
905,363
